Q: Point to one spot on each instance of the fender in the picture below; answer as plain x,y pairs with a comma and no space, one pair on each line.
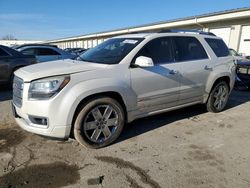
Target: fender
92,87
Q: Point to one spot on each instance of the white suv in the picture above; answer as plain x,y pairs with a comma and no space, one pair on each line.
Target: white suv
123,79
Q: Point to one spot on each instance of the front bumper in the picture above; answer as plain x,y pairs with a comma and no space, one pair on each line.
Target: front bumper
56,132
28,113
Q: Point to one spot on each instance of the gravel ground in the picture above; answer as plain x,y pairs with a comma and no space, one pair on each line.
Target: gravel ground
183,148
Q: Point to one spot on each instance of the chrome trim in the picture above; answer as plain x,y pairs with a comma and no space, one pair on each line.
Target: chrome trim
18,91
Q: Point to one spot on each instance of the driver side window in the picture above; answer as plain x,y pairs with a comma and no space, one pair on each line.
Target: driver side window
159,50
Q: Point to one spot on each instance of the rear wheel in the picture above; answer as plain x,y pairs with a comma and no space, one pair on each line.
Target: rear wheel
218,97
99,122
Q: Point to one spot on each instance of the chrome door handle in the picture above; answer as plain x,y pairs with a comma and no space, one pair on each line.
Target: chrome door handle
173,72
208,68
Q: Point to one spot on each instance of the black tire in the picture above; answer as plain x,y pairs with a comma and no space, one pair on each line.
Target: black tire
83,136
211,107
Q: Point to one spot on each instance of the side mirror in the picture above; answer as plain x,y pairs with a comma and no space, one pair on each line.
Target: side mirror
143,61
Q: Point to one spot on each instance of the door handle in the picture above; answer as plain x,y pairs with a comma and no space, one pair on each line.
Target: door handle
208,68
173,72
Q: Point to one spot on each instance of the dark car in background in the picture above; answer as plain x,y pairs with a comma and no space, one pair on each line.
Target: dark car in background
10,61
16,47
76,51
243,73
235,54
45,53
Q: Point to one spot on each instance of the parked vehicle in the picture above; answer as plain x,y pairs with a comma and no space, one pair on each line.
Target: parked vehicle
76,51
45,53
243,73
11,60
26,45
235,54
123,79
80,51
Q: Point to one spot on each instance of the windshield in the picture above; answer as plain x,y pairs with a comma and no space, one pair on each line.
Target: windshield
111,51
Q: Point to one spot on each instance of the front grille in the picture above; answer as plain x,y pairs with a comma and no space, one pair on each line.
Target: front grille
18,91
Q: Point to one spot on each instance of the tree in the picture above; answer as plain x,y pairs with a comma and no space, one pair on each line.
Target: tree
8,37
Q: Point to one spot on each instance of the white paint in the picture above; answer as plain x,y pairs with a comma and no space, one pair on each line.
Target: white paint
245,45
18,42
224,33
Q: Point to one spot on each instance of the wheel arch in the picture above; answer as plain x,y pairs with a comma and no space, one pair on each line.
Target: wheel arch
219,78
112,94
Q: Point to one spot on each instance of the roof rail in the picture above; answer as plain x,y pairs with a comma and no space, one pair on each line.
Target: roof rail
186,31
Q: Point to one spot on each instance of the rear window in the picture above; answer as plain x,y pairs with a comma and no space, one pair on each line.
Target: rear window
218,46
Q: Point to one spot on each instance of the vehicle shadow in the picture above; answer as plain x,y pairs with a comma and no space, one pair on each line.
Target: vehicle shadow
147,124
5,93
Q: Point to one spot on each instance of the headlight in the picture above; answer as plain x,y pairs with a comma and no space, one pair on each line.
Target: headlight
48,87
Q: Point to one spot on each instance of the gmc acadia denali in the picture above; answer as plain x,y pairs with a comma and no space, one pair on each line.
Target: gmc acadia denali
123,79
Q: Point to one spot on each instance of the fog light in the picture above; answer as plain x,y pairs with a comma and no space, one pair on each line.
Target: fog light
39,120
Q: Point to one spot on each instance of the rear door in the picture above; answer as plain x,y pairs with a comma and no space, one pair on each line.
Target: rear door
195,67
156,87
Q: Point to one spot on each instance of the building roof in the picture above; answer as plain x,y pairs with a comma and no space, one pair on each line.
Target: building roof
198,19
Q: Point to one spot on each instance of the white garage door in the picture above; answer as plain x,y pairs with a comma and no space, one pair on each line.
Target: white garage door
94,42
224,33
245,40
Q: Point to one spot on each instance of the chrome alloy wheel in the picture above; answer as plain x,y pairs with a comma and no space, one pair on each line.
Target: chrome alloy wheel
220,97
100,123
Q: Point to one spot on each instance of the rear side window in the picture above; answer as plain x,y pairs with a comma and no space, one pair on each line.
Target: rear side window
218,46
3,53
160,50
188,49
29,51
46,51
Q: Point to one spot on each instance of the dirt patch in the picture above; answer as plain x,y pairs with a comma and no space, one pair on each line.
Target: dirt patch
200,154
47,175
10,137
120,163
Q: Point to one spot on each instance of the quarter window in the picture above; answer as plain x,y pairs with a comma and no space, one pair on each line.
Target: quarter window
188,49
29,51
218,46
160,50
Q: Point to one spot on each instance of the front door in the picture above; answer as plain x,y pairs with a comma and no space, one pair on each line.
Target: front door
156,87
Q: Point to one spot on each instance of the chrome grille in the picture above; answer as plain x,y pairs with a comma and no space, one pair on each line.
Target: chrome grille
18,91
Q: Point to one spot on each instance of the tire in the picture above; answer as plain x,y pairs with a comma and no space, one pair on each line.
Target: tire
213,105
99,122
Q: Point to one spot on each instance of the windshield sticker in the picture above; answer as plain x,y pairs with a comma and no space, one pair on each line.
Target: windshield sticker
129,41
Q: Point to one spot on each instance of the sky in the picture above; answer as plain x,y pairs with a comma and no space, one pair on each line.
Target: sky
50,19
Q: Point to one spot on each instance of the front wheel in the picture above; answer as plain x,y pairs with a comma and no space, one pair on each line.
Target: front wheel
218,97
99,122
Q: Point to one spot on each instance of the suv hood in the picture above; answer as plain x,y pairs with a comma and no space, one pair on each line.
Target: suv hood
55,68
